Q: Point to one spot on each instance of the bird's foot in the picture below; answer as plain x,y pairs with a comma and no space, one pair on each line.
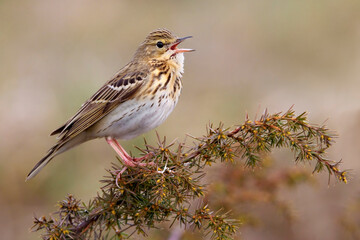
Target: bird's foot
132,162
125,157
118,175
145,157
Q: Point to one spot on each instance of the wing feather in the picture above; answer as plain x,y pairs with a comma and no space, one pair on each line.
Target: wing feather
121,88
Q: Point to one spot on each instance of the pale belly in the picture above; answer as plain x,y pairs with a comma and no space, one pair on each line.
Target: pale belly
133,118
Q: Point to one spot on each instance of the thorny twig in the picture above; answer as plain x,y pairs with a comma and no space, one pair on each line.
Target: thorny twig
145,196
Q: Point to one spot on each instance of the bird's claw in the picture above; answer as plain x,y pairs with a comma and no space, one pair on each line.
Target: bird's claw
118,175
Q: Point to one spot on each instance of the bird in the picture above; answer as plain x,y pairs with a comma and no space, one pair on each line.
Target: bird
137,99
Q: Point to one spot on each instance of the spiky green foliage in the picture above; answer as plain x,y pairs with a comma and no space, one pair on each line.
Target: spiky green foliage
135,199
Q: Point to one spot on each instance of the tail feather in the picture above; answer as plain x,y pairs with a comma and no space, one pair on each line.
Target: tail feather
57,131
60,147
42,163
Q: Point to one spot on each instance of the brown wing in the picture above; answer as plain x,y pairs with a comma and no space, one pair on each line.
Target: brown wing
121,88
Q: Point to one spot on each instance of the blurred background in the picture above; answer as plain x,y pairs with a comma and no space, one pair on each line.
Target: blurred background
250,55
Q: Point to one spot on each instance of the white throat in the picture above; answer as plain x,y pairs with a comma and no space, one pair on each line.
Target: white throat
179,61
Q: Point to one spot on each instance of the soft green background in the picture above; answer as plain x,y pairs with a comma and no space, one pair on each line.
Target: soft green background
250,55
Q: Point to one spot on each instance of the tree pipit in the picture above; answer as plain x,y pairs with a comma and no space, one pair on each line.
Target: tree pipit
137,99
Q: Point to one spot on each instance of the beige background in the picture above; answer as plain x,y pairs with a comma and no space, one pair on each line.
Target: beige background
250,55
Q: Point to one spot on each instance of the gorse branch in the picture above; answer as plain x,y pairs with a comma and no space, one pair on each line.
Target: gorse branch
163,191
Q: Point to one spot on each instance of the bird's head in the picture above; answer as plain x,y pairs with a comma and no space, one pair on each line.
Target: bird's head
161,44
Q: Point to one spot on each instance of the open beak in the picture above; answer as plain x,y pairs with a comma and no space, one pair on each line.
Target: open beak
177,42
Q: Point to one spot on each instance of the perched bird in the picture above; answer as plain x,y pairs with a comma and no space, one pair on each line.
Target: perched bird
137,99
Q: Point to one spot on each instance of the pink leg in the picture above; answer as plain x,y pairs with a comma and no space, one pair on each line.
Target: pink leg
128,160
133,159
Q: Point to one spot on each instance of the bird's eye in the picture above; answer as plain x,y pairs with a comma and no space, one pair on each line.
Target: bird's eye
159,44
